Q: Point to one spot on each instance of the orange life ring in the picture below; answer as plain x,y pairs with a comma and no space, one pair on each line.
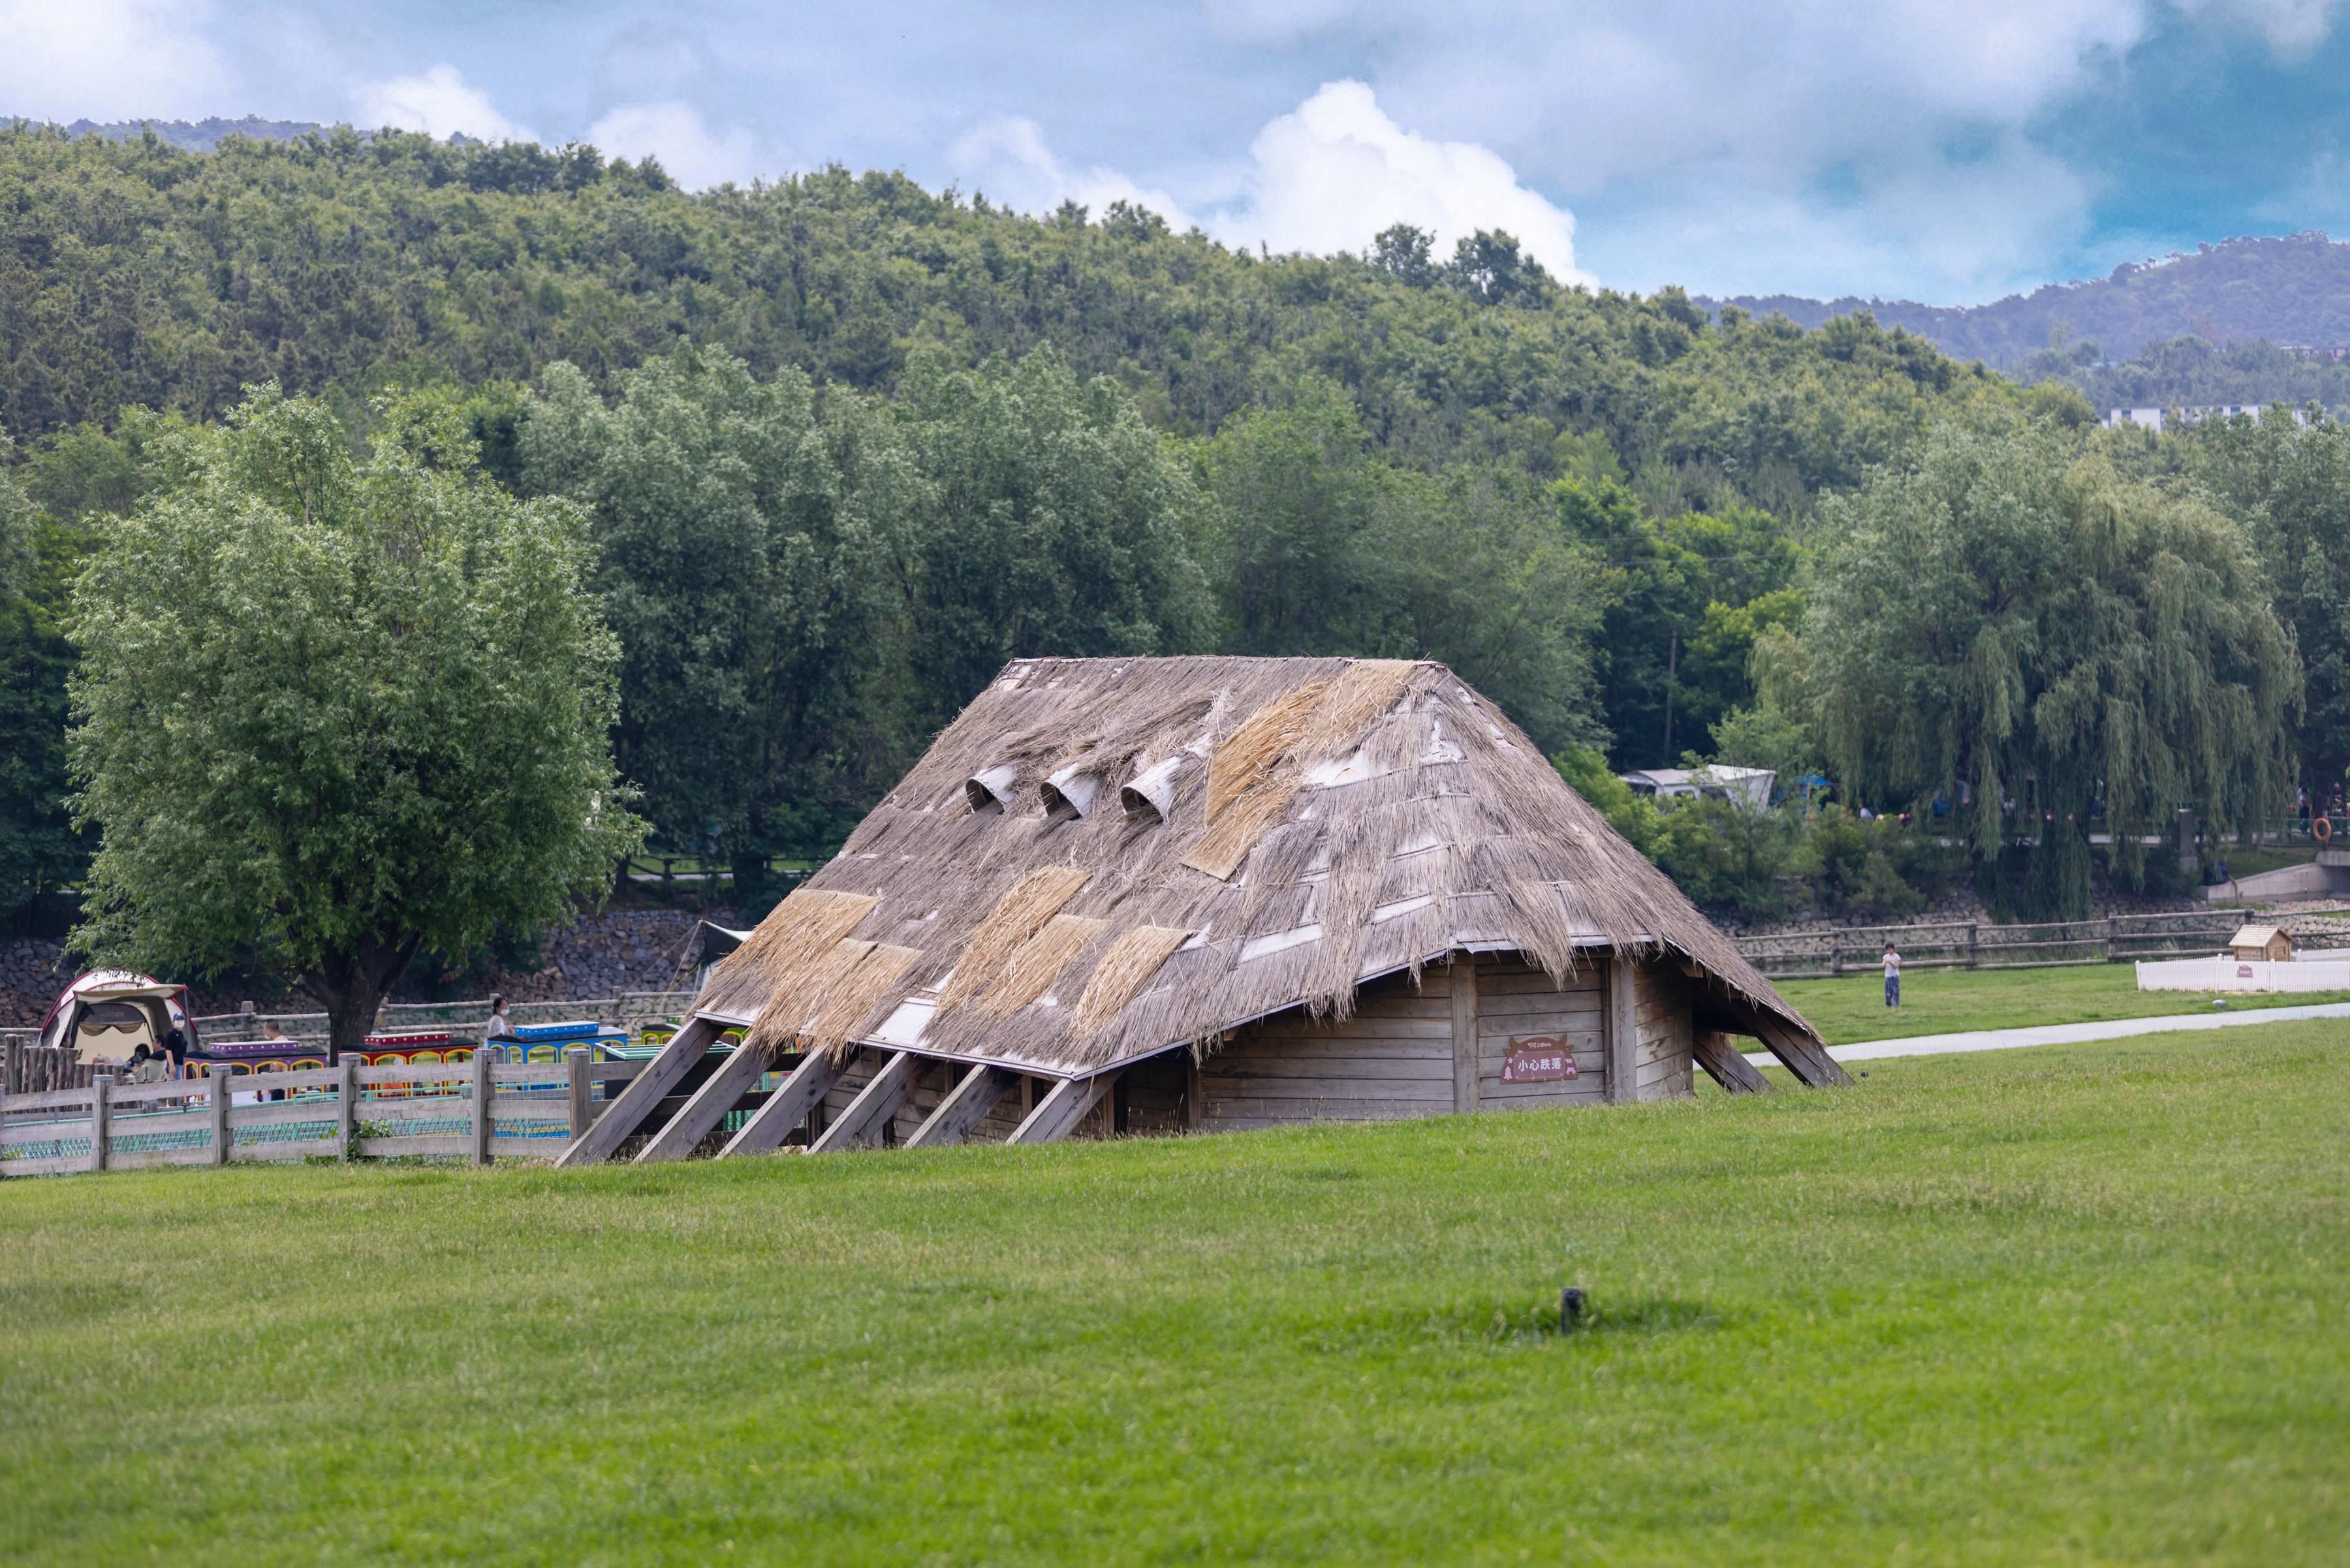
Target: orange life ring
2322,830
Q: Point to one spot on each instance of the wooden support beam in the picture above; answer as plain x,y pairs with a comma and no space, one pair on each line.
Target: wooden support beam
1719,1055
485,1086
643,1095
582,1107
874,1105
102,1113
1804,1056
965,1107
788,1107
1464,1032
222,1135
346,1104
727,1082
1619,1025
1059,1111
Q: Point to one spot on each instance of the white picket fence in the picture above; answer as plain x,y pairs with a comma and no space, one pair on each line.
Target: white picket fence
481,1109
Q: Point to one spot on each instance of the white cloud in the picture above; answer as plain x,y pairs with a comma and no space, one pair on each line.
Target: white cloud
1326,177
1334,172
676,133
440,102
107,59
1005,158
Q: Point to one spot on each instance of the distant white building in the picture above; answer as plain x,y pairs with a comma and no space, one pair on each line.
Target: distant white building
1747,786
2152,418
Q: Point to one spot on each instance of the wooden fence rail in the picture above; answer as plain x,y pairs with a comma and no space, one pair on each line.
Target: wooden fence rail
1810,955
481,1110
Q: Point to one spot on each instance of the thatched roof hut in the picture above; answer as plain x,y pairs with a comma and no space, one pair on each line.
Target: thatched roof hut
1106,862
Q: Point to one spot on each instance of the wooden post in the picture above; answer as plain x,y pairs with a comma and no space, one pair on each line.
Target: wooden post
874,1105
1619,1027
1719,1055
101,1114
1970,944
575,1062
964,1107
1062,1108
727,1082
12,1077
1464,1032
346,1107
799,1094
643,1096
2109,938
1802,1055
224,1136
483,1130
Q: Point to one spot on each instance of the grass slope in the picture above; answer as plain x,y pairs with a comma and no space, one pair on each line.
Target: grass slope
2061,1306
1941,1001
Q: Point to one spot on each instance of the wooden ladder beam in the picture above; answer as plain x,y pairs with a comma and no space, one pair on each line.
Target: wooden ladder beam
874,1104
644,1093
1726,1064
1059,1111
1619,1025
729,1081
788,1107
1804,1056
965,1107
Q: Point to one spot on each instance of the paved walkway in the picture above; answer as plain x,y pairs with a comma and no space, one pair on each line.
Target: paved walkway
2068,1034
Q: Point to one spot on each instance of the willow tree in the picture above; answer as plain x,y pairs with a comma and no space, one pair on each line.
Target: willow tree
333,711
2009,627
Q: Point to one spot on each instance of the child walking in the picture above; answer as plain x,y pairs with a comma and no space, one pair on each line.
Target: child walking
1892,977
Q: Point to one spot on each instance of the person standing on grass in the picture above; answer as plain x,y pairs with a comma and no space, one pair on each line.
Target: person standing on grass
1892,977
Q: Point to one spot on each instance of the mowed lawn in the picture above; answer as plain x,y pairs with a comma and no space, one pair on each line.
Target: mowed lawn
1942,1000
2079,1305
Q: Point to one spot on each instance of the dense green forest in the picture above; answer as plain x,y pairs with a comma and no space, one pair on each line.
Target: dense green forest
841,446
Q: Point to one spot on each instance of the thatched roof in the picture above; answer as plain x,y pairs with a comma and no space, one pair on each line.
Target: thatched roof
1103,858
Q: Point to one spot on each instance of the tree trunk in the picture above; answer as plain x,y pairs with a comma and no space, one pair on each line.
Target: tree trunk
353,986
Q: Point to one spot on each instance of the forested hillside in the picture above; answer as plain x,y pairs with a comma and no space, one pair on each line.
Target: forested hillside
841,446
2290,290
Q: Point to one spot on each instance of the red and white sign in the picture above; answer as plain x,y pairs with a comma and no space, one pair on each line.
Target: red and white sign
1537,1059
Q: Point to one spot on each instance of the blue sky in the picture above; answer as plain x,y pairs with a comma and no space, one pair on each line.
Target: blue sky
1950,150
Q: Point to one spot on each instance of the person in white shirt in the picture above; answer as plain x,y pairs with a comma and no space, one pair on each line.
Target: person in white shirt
500,1027
1892,977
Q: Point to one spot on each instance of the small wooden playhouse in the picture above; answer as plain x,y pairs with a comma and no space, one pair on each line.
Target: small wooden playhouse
1159,895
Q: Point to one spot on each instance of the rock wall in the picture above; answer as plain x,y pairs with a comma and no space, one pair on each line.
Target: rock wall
600,955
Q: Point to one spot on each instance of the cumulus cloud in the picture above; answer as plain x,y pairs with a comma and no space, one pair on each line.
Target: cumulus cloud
1006,159
107,59
440,102
676,133
1326,177
1337,170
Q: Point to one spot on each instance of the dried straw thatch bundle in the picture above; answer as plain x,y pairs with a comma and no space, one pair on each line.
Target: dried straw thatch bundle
797,936
1022,910
1353,818
1036,964
855,991
1122,974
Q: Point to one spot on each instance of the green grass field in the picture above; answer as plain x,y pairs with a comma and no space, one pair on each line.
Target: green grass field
2073,1306
1940,1000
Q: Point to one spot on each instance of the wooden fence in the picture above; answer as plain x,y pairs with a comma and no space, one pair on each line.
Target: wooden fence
1812,955
481,1110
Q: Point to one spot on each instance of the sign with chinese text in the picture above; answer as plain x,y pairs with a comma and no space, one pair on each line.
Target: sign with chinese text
1537,1059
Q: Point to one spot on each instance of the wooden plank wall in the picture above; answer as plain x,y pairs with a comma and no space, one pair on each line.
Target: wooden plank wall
1393,1058
1668,1048
1517,1000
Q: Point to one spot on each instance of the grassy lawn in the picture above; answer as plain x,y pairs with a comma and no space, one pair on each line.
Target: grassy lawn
2078,1306
1939,1001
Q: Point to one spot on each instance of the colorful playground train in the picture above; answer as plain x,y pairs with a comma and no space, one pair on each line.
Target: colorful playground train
108,1015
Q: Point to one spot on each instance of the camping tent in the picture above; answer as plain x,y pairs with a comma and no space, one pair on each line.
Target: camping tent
1213,893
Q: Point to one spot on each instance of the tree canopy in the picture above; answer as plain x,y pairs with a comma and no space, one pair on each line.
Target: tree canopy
331,711
2021,640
